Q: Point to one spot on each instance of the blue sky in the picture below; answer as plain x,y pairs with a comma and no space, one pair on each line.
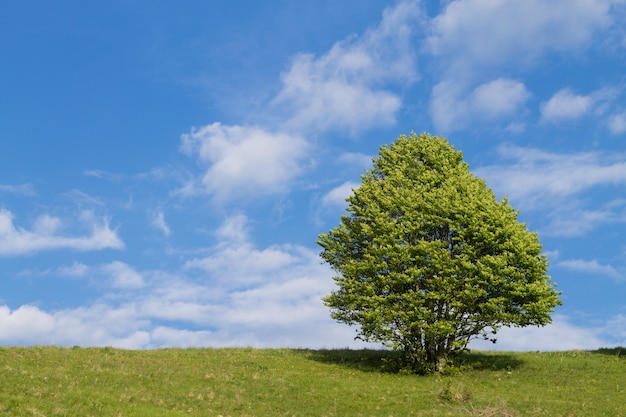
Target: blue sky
166,167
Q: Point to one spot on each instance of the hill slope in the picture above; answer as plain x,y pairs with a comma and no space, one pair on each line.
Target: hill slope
50,381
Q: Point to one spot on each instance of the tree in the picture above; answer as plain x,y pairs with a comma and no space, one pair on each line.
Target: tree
428,259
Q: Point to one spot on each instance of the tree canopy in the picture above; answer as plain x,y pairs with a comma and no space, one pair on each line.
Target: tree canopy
427,258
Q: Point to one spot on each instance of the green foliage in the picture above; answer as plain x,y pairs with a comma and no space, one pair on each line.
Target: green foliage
49,381
428,258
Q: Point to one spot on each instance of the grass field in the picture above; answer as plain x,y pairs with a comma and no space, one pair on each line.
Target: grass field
50,381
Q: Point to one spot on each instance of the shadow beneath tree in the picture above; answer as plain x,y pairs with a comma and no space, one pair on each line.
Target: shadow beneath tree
387,361
366,360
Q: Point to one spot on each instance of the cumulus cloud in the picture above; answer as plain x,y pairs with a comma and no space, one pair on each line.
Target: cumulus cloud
565,105
473,35
98,325
238,295
345,88
257,318
45,235
128,327
235,262
338,195
472,40
453,108
560,335
25,322
244,161
283,309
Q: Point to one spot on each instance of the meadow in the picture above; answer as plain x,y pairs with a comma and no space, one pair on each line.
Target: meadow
53,381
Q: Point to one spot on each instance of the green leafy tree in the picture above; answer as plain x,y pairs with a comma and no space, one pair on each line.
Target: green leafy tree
428,259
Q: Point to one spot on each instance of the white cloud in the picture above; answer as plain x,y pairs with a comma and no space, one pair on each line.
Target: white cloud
280,307
26,322
565,105
558,336
244,264
498,98
617,123
538,177
287,315
244,161
474,40
556,184
15,240
452,107
235,262
237,295
123,276
97,325
344,89
118,275
569,220
472,35
337,196
158,221
324,104
592,267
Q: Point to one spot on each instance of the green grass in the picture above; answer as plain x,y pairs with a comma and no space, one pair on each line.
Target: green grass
50,381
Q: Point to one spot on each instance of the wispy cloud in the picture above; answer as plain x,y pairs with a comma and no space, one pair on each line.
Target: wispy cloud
592,267
617,123
538,177
356,159
158,221
569,219
116,274
24,189
45,235
104,175
556,184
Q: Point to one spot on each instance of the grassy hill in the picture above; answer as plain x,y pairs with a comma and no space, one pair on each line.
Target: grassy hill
50,381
